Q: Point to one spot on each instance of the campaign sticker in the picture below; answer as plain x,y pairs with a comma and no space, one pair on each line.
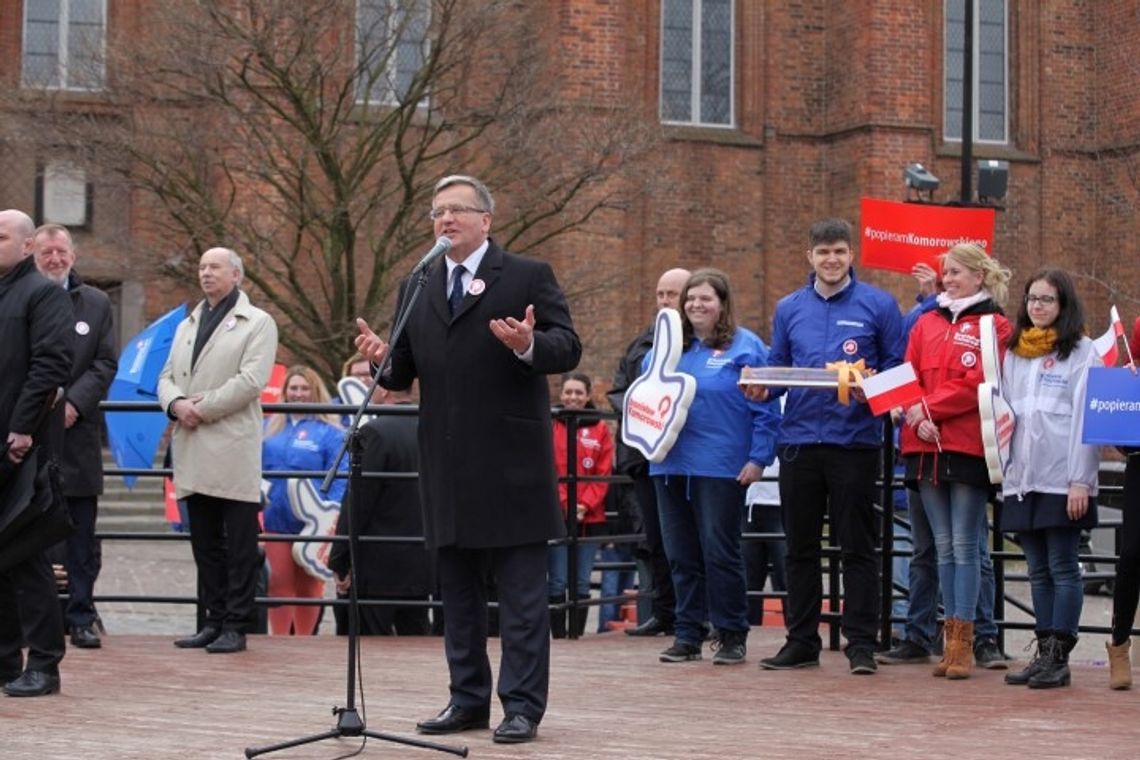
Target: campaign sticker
477,286
850,347
231,323
588,462
1048,363
969,359
82,327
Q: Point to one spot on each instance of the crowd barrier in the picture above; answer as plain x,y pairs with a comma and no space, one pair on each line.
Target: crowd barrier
887,484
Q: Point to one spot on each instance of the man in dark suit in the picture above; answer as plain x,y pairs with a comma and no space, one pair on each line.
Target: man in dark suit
489,328
36,328
91,374
386,507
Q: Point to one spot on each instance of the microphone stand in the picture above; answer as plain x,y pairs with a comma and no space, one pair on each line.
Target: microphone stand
349,723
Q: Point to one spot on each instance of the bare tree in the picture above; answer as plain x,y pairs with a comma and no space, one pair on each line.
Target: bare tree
308,135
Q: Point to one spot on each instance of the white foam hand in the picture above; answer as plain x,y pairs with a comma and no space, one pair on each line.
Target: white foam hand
657,403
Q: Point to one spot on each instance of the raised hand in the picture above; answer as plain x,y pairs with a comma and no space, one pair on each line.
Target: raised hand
514,334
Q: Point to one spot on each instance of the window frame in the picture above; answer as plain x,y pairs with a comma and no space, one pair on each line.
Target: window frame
977,53
391,97
63,52
44,171
695,90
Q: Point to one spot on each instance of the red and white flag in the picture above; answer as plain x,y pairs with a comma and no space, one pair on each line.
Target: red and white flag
894,387
1106,345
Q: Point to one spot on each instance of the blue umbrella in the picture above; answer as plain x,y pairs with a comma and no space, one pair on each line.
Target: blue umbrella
134,436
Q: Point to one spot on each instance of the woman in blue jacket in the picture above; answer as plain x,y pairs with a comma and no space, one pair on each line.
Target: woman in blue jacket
297,442
726,443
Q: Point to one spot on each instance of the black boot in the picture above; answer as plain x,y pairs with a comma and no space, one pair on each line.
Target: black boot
579,616
558,618
1056,671
1037,662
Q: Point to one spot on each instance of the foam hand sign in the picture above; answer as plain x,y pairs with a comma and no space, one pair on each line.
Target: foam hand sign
352,392
997,417
657,403
319,517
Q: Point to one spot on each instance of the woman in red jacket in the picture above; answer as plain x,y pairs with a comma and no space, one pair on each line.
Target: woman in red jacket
595,456
942,439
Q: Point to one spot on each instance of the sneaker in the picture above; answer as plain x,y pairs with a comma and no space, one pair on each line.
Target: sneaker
906,652
681,652
790,657
729,647
862,661
989,656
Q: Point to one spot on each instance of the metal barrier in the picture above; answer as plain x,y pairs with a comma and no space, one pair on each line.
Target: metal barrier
887,483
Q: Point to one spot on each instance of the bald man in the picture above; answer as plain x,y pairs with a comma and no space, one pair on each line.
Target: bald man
631,463
36,328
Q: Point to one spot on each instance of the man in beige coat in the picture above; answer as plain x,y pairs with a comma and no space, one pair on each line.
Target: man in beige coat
220,361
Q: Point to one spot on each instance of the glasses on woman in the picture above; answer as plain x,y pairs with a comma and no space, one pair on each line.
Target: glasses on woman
1043,300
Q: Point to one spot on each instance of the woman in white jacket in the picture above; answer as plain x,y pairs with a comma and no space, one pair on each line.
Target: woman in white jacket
1050,486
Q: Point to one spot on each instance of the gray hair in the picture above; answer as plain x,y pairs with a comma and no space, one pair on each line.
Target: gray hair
234,259
481,191
52,230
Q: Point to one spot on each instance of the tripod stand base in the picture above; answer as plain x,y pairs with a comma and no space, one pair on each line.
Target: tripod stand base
349,724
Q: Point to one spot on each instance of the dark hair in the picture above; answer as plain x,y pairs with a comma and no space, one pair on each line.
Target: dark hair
581,377
830,231
725,326
1070,324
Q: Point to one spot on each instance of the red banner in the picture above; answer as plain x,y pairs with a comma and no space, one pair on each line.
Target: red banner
275,388
896,236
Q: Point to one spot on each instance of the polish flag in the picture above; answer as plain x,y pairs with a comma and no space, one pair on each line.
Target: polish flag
1106,345
894,387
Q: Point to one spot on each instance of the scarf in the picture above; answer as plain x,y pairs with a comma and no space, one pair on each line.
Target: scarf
958,305
1035,341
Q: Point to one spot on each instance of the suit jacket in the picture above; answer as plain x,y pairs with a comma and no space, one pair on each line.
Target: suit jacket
486,454
91,374
386,508
222,456
36,343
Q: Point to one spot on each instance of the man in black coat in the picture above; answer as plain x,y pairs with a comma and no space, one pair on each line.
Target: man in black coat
36,325
630,462
91,374
386,507
487,330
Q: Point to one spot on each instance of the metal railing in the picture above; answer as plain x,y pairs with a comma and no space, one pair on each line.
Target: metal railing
887,484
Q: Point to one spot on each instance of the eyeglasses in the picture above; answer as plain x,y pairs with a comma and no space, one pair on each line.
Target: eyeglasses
1043,300
439,211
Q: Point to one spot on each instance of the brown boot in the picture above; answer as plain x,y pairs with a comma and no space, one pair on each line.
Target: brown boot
1119,664
949,627
962,656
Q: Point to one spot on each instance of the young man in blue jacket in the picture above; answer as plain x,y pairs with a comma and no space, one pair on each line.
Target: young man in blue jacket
829,452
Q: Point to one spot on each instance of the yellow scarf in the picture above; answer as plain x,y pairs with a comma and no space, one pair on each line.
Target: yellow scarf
1035,341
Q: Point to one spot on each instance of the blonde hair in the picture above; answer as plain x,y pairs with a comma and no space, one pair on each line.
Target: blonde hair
995,277
357,358
320,396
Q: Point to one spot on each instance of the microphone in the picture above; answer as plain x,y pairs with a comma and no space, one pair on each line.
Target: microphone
442,246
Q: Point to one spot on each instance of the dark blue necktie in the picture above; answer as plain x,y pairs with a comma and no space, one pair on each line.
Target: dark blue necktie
456,296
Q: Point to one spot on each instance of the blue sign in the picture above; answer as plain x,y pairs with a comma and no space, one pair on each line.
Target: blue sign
1112,407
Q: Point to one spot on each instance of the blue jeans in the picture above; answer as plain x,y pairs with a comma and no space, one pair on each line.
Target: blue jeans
1055,577
556,569
957,515
614,582
900,571
701,520
922,611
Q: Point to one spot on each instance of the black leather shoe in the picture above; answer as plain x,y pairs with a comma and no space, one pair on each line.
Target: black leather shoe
651,627
84,637
454,719
227,643
515,729
32,683
202,638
